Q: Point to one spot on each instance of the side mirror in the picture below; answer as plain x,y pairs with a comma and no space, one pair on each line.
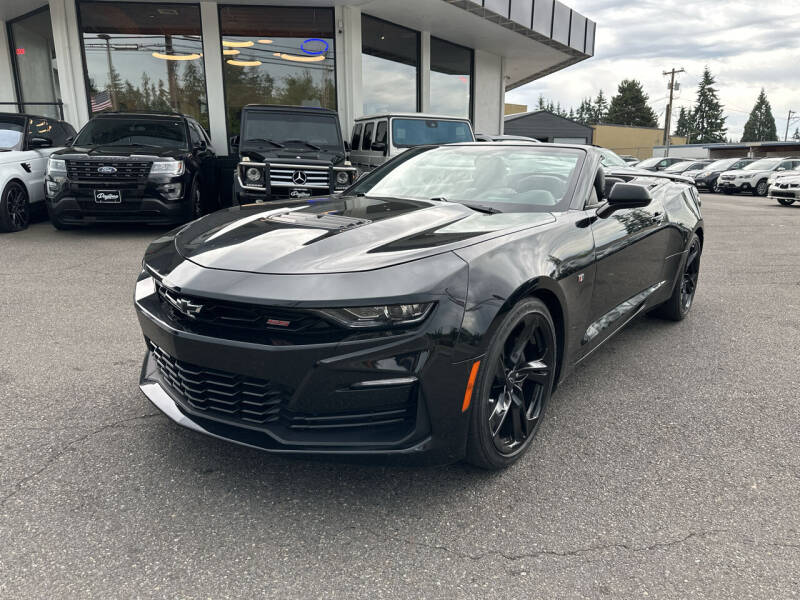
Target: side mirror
624,195
201,145
378,146
781,169
234,141
346,146
69,140
39,142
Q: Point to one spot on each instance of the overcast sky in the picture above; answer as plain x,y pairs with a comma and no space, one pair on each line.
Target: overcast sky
747,44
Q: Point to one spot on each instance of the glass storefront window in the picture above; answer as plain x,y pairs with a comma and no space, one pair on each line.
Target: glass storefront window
142,56
451,79
35,63
389,67
277,55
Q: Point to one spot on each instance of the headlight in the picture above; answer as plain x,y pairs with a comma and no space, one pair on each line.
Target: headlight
56,166
167,167
342,177
374,317
253,174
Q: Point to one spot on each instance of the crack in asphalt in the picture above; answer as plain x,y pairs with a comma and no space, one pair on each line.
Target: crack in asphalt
540,553
17,487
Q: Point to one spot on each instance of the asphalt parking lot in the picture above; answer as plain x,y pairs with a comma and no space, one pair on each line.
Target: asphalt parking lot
667,466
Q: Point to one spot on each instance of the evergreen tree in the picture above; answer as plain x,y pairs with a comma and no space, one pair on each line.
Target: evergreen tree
796,135
542,105
760,127
708,122
684,125
599,109
629,106
585,112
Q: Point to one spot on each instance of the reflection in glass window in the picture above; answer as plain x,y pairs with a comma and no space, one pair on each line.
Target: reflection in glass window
389,67
35,59
451,78
144,57
420,132
277,55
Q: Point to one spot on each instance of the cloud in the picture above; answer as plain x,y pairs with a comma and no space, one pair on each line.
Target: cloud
747,44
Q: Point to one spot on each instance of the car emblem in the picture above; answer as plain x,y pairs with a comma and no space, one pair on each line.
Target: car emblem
106,170
182,305
299,178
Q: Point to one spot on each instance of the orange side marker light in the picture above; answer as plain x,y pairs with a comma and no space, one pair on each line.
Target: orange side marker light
470,384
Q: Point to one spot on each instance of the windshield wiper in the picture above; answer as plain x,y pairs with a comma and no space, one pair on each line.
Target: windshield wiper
313,146
273,142
489,210
132,145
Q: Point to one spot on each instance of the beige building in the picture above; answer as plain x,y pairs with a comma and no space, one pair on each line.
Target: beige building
515,109
635,141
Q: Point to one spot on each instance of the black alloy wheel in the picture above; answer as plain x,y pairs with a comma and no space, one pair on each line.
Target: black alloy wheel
682,299
515,383
15,209
786,201
761,188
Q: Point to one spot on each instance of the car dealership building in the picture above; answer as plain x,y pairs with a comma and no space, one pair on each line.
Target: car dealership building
208,59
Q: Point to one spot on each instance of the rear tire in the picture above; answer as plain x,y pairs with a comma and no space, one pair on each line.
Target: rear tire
15,208
682,298
513,387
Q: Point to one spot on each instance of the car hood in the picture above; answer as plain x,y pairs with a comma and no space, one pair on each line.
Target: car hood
119,151
322,157
744,173
339,234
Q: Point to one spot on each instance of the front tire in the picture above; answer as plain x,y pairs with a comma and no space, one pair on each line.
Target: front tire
15,208
196,199
786,201
680,303
761,188
514,384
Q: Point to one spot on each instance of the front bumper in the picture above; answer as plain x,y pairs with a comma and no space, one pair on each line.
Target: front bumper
776,192
394,396
707,183
736,185
77,210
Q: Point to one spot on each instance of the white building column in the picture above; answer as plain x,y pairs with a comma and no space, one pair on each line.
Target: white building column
348,66
7,91
489,93
425,71
66,39
215,89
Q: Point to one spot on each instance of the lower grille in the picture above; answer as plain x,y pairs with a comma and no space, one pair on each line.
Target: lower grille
258,402
216,392
780,194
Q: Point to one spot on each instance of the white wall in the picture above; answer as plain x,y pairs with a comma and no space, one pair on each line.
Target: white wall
70,62
488,93
212,64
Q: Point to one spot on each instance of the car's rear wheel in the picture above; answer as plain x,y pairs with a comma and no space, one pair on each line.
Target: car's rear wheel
786,201
514,384
761,188
680,303
15,209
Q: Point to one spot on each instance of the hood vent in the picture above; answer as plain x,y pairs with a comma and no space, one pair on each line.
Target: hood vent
328,221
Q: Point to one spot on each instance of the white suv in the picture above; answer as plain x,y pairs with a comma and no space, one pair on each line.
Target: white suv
786,189
26,142
754,177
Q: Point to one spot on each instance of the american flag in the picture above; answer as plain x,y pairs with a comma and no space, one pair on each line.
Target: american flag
101,101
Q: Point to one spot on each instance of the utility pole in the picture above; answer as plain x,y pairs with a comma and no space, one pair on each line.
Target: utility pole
668,116
788,120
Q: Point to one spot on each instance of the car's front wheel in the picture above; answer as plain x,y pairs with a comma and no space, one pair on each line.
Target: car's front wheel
761,188
15,210
786,201
515,380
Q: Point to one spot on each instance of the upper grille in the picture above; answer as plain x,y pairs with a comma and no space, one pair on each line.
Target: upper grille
87,170
727,177
285,176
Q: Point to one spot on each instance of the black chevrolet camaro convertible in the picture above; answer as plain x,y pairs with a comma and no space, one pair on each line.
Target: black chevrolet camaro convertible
430,310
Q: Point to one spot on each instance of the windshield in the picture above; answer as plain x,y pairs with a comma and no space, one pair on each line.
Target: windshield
508,178
721,165
679,167
611,159
11,131
306,131
421,132
159,133
765,164
650,162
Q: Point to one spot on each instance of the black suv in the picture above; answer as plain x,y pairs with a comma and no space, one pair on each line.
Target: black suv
133,167
289,152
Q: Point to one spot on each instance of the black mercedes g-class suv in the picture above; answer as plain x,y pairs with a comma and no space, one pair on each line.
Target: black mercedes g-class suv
133,167
289,152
